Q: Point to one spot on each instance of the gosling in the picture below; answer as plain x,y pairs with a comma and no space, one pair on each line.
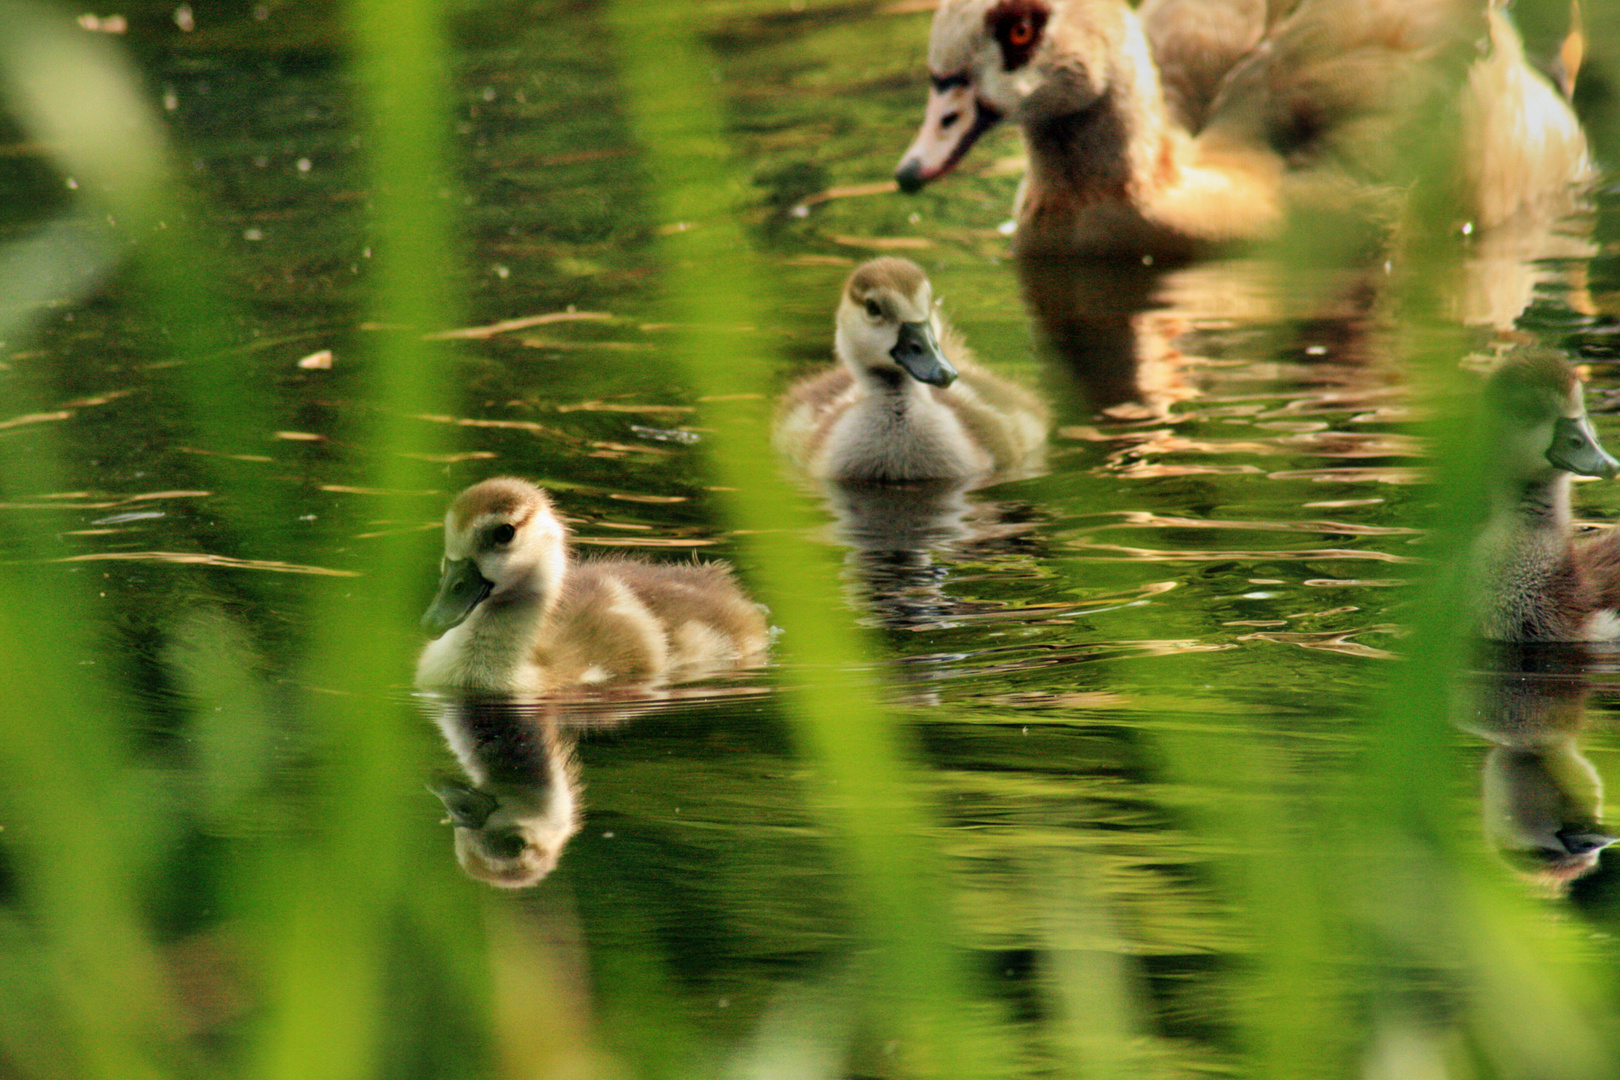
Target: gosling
514,614
1532,581
908,402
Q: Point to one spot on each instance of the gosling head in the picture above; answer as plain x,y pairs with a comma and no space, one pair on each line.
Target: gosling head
502,542
887,328
510,842
1539,422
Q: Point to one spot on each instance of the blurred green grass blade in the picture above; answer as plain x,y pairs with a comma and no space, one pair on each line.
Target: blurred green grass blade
1530,1005
342,897
63,753
713,284
60,757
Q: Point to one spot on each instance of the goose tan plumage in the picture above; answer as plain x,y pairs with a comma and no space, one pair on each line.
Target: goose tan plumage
908,402
515,614
1196,122
1531,580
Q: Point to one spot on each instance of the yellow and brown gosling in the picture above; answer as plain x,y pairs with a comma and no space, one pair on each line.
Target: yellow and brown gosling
514,614
907,402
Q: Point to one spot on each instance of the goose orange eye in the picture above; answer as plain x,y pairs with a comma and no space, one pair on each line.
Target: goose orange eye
1017,25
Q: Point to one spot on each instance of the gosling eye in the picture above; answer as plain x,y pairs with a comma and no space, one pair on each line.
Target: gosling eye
874,310
505,845
502,534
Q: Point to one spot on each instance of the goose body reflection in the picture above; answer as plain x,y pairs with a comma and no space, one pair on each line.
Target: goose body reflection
515,613
907,402
1196,122
520,802
1532,580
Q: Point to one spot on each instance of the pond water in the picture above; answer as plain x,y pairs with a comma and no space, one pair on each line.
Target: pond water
1135,685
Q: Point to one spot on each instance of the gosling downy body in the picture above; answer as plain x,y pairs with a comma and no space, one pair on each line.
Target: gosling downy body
1197,122
515,614
907,402
1532,581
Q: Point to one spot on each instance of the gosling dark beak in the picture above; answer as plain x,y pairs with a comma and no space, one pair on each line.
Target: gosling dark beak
1575,449
1583,842
461,588
952,122
467,807
917,350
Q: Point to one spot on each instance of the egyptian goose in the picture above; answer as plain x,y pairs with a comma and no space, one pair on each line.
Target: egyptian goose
1196,122
907,402
515,614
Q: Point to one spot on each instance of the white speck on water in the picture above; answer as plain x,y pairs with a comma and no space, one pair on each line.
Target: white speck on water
1259,595
502,272
73,185
184,19
253,234
1007,228
304,164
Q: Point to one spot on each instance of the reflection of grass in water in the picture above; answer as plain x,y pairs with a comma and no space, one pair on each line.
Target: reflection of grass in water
357,942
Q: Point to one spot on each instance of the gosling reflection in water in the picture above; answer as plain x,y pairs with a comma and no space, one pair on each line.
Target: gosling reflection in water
1542,799
896,535
520,801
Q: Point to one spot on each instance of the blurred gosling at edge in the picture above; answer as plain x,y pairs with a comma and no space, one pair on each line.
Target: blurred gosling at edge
515,614
907,403
1532,579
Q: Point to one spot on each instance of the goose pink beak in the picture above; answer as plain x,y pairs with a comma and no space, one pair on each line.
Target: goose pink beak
952,123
